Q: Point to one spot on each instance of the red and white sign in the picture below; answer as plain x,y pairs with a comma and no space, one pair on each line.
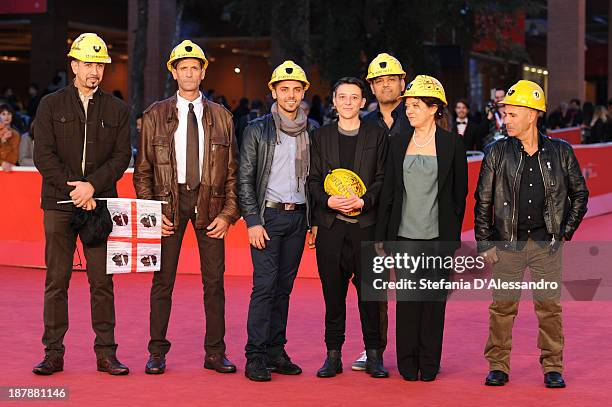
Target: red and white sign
134,245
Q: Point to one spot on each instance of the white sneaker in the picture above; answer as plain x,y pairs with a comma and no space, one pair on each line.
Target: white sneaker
360,363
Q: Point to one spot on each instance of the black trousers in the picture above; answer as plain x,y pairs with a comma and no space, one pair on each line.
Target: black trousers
274,270
60,243
339,260
212,267
420,324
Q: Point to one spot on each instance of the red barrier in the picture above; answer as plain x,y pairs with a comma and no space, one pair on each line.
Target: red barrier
22,234
572,135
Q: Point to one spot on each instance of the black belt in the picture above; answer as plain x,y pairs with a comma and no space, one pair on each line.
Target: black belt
285,206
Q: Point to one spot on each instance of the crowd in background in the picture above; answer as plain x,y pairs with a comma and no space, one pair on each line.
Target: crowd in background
478,128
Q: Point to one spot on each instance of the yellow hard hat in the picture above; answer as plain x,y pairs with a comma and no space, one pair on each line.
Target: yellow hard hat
187,49
288,71
89,47
425,86
384,64
527,94
345,183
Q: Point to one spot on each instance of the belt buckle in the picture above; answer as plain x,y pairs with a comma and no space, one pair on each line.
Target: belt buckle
289,206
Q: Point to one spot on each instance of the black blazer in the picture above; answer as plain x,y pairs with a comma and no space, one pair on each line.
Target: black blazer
473,135
369,164
452,186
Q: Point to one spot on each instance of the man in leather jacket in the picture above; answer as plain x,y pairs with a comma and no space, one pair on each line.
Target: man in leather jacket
273,196
187,158
531,196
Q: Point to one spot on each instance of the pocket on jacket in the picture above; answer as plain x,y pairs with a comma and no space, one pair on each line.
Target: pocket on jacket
161,150
108,130
63,125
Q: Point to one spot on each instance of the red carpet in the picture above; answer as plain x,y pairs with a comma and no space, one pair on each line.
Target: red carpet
588,329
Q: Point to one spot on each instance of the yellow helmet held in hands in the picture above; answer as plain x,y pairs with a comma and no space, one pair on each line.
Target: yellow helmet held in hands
289,71
384,64
525,93
186,49
425,86
345,183
89,47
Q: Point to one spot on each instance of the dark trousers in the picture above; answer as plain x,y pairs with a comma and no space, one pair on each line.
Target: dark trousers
60,243
420,324
212,267
339,260
274,270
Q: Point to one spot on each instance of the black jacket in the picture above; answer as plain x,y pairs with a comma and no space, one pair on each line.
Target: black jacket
473,135
496,210
58,151
452,186
400,120
369,164
256,155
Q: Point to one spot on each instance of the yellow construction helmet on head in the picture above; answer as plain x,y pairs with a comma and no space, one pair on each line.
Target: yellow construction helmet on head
384,64
425,86
289,71
525,93
89,47
187,49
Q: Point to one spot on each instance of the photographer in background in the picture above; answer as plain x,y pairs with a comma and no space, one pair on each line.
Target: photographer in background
495,117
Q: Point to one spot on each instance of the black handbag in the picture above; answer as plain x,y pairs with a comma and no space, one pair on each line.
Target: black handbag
93,227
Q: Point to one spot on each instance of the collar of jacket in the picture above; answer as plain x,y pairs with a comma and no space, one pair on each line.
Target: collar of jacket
394,113
74,94
172,114
543,141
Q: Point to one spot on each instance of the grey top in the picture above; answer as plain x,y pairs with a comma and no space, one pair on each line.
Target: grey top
353,132
283,183
420,204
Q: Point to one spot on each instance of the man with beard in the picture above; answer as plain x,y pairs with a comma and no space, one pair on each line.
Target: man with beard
82,149
387,82
273,196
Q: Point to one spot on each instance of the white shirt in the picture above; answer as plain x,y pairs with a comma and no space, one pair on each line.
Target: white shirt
461,127
180,136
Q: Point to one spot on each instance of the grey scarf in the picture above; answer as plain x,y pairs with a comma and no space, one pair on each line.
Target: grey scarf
295,128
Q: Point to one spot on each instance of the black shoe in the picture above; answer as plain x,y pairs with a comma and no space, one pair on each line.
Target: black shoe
112,366
554,380
49,365
410,377
427,377
374,364
257,371
332,365
156,364
496,378
283,365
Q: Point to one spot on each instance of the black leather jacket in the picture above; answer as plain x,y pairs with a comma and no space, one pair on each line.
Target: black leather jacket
256,154
496,210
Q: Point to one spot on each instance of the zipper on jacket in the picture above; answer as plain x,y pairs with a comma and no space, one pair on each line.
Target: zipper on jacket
514,196
547,197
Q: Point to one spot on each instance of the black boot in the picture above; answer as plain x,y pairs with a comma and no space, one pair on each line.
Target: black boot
332,365
374,365
554,380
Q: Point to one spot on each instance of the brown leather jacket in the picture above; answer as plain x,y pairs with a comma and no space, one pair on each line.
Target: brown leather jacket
155,169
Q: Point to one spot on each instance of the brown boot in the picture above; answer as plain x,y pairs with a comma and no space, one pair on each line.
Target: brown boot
49,365
219,363
112,366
